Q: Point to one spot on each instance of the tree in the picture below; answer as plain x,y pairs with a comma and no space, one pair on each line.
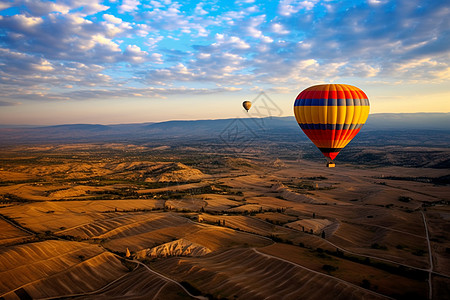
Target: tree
329,268
365,284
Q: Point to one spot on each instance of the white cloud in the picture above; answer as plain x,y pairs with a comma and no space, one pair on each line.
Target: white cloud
253,28
129,5
156,4
102,40
362,70
56,45
40,8
168,18
199,9
201,31
111,30
254,32
112,19
234,41
4,5
252,9
203,55
289,7
279,28
142,30
266,39
238,43
304,46
443,74
157,58
88,7
426,69
153,41
135,54
44,65
26,22
377,2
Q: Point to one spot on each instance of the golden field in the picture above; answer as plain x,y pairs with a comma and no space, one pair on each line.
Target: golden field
216,226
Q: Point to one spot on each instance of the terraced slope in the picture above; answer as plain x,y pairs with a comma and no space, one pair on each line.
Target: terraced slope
140,284
55,268
249,274
125,225
11,234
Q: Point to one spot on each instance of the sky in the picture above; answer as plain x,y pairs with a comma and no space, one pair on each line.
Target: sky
132,61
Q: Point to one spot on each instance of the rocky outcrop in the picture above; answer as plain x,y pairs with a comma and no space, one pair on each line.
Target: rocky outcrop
181,247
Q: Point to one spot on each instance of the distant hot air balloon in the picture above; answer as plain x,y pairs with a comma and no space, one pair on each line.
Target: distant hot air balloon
331,115
247,105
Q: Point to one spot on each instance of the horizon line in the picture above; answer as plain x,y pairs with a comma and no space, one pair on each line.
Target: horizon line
182,120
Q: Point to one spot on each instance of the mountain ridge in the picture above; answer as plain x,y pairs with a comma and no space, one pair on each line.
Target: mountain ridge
269,128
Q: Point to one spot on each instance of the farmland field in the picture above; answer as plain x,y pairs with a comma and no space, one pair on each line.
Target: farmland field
113,221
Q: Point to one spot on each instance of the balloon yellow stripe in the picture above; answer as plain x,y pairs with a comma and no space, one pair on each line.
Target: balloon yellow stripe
341,113
331,113
297,114
328,114
342,143
349,113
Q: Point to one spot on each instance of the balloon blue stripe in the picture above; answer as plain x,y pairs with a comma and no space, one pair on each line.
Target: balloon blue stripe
330,126
331,102
329,150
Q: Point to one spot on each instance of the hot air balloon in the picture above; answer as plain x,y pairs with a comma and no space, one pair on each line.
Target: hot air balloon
247,105
331,115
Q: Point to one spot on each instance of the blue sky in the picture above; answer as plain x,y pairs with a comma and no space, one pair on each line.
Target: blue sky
92,61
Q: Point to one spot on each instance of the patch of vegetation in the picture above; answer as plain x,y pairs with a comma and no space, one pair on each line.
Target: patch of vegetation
118,193
9,198
418,252
388,267
321,254
277,239
302,185
365,284
210,189
378,247
71,238
442,180
329,268
14,182
17,224
320,177
404,199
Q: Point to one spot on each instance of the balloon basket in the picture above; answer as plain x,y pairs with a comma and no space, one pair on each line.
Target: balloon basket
330,164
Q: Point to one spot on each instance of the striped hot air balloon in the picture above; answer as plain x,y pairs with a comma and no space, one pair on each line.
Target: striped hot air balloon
331,115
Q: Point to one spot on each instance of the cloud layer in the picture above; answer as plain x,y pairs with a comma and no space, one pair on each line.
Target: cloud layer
84,49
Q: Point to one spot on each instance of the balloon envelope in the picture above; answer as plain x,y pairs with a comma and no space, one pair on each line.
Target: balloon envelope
247,105
331,115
